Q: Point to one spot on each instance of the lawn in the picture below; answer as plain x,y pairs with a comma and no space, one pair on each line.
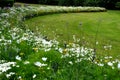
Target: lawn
100,27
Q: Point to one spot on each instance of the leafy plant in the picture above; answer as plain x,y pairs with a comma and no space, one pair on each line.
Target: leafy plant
118,5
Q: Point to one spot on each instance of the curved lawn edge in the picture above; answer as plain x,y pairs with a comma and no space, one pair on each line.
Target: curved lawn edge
43,10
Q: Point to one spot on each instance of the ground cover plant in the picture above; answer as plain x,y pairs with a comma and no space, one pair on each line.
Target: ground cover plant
26,55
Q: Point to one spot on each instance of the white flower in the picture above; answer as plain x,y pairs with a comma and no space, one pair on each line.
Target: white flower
48,49
100,64
105,47
39,64
19,77
110,63
2,61
113,67
70,62
48,68
110,56
106,57
4,67
97,43
17,66
26,62
10,74
44,58
18,58
34,76
118,65
60,50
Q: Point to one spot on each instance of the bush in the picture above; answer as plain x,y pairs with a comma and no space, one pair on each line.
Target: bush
6,3
117,5
109,4
66,2
91,3
50,2
79,2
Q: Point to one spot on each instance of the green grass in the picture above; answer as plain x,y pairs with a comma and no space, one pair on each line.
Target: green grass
84,70
63,26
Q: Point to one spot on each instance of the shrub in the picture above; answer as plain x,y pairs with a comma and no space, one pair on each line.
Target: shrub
6,3
66,2
110,4
51,2
91,3
117,5
79,2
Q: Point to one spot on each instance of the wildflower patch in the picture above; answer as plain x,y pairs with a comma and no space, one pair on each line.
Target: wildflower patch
26,55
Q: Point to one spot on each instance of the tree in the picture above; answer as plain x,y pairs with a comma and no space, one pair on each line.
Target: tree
79,2
109,4
66,2
117,5
6,3
91,3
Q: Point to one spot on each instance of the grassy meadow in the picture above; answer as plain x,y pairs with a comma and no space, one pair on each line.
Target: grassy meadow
80,43
100,27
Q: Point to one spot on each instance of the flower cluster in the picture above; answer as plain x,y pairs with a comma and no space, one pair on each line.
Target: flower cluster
5,66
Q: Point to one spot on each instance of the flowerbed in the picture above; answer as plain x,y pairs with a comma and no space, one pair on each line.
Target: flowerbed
26,55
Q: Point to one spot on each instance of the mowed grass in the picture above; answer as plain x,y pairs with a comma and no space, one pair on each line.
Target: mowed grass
101,27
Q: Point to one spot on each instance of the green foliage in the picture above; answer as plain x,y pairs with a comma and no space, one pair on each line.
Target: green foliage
117,5
86,70
6,3
109,4
66,2
59,68
33,57
50,2
91,3
79,2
